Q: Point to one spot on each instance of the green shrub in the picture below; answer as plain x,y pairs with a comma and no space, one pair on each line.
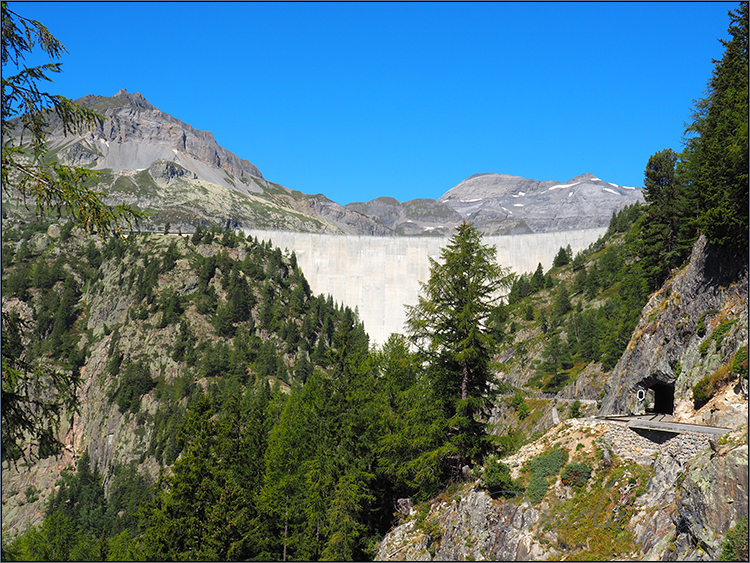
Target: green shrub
537,488
576,474
707,387
735,545
542,467
739,365
497,479
135,383
518,402
549,464
575,409
32,494
703,391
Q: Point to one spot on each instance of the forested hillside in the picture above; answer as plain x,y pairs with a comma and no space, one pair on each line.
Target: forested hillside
208,406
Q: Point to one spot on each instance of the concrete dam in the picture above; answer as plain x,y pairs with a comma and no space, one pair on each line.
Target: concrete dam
380,275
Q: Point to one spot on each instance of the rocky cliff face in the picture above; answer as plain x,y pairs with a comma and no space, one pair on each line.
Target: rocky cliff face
676,344
644,501
135,133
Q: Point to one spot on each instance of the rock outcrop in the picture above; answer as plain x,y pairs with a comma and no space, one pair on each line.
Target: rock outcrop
675,501
471,527
665,355
135,133
713,497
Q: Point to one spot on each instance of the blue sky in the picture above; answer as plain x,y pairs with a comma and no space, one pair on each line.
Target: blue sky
357,101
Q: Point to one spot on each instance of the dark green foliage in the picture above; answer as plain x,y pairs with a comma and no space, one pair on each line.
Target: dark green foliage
716,163
129,491
735,544
57,539
80,497
80,523
183,349
409,447
197,236
703,391
622,221
562,305
543,322
579,282
170,257
575,409
537,280
528,313
448,326
497,480
518,402
204,509
563,257
739,364
171,307
542,467
666,233
216,359
548,464
224,321
556,357
136,382
576,474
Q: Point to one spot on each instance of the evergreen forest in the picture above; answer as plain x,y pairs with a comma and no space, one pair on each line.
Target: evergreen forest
261,423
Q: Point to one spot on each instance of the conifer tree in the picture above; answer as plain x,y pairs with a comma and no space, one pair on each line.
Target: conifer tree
716,162
204,510
448,325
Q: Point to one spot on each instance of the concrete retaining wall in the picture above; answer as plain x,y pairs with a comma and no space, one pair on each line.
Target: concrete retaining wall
380,275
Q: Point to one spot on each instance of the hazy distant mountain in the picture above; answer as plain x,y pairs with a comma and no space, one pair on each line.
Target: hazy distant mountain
182,176
581,203
503,204
430,217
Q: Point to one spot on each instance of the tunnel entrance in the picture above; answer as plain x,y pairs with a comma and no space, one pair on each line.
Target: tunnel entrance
661,396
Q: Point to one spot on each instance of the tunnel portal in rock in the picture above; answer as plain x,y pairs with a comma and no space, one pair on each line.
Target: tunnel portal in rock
661,397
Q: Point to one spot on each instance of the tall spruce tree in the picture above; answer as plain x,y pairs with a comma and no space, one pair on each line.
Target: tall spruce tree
666,237
716,148
448,325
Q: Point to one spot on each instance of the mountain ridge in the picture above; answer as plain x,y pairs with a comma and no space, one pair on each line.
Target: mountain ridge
164,166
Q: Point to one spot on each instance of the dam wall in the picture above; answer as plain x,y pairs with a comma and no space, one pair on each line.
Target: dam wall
380,275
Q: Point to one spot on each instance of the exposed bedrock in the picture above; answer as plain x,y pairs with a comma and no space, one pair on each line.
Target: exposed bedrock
664,360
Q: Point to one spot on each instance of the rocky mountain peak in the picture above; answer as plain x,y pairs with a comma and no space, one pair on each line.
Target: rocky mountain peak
136,99
586,176
582,202
135,134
